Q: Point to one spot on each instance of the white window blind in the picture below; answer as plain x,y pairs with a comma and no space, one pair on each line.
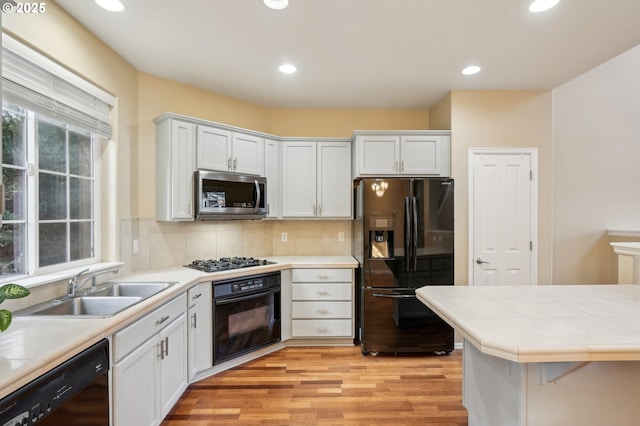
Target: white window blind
38,83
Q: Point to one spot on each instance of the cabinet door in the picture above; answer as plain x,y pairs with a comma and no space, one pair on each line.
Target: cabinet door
299,179
272,171
182,167
172,364
424,155
213,149
378,155
200,330
136,387
248,154
334,180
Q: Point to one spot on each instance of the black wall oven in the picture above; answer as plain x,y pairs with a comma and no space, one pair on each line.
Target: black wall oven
246,315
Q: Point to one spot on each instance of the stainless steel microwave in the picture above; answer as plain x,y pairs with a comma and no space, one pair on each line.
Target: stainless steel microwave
221,195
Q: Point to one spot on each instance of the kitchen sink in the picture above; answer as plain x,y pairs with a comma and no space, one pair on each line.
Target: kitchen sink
107,300
83,306
130,289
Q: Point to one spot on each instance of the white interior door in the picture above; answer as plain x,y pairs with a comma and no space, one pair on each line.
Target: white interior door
503,205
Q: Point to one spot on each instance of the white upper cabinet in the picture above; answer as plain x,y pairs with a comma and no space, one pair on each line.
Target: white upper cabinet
334,179
420,153
175,164
316,179
227,151
248,154
299,179
273,173
213,149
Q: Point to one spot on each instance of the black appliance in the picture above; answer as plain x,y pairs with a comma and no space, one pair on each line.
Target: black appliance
75,393
246,315
226,263
403,239
229,196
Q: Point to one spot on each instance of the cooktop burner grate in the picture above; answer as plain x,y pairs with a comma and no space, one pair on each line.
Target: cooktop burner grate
226,263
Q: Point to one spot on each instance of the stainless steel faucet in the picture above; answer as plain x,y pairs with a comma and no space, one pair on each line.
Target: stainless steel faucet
73,282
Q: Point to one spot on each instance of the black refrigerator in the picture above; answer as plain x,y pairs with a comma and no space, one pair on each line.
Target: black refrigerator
403,240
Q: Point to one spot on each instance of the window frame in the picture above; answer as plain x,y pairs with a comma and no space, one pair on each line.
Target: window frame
31,219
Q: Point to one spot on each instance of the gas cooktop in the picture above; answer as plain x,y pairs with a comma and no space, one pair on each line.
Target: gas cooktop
226,263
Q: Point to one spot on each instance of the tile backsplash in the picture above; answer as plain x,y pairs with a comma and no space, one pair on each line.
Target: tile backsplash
165,244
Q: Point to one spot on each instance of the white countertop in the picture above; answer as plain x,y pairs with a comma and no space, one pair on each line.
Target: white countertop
543,323
32,346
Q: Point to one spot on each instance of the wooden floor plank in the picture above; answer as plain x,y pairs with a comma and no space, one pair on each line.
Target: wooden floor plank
328,386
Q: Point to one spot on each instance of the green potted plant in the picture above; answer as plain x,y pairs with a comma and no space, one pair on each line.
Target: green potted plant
10,291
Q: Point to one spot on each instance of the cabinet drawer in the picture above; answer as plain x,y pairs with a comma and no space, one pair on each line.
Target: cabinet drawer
313,291
196,294
322,328
321,310
322,275
137,333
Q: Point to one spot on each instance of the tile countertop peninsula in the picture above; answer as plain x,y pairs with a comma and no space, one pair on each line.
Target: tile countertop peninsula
32,346
546,355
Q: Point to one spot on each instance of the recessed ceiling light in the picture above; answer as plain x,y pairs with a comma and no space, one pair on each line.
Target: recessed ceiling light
276,4
287,68
111,5
542,5
470,70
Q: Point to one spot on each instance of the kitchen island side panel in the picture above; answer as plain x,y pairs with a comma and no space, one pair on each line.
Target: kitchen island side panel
498,392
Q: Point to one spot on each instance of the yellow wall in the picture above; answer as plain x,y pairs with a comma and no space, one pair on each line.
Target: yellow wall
157,95
440,114
501,119
341,123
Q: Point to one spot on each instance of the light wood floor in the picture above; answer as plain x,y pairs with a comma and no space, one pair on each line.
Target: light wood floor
328,386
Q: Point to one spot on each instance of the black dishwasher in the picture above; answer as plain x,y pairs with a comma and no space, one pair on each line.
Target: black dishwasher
74,393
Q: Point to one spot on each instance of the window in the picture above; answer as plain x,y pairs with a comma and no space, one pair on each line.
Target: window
48,166
51,121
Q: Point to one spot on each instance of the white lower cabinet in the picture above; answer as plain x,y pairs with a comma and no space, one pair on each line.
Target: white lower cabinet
150,365
322,303
200,329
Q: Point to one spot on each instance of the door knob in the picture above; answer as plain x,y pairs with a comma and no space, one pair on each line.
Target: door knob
479,261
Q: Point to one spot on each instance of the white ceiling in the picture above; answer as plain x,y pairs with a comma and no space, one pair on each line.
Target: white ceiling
363,53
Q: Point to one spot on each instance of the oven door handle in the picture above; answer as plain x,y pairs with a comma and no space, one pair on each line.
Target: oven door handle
395,295
228,300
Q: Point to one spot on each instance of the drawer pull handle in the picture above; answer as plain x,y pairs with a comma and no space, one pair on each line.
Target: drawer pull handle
161,320
323,292
195,296
322,311
323,276
322,330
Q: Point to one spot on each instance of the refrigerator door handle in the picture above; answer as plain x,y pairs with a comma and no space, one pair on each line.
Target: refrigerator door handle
407,235
414,235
